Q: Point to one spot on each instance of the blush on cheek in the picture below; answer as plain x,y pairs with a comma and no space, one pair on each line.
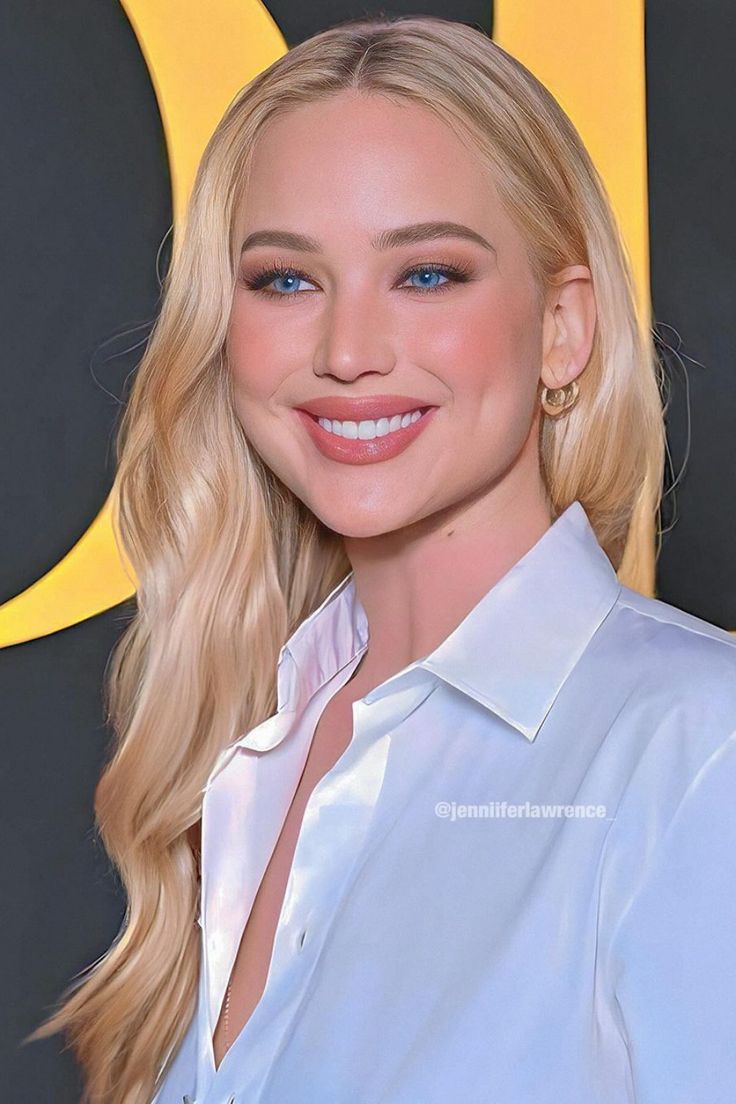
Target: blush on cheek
473,356
261,357
252,378
485,336
505,346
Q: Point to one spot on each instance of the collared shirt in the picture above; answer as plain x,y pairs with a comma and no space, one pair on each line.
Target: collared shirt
517,885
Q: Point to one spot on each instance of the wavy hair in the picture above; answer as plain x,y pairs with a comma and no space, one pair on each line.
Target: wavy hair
228,561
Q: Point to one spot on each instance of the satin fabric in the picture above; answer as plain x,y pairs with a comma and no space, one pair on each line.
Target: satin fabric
423,957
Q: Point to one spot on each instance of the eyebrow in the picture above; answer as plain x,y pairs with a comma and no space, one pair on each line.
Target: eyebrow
387,239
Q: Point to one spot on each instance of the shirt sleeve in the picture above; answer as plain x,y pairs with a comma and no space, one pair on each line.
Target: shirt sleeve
674,952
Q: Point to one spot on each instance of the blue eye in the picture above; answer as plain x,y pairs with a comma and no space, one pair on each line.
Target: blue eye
433,272
291,277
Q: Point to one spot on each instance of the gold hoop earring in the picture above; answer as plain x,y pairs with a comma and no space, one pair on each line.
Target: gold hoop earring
558,400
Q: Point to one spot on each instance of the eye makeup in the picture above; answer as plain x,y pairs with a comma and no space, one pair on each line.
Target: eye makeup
452,272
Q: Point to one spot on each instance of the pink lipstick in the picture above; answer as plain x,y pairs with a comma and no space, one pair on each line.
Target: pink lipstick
368,429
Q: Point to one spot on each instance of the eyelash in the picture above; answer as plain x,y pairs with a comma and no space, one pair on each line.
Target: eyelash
456,274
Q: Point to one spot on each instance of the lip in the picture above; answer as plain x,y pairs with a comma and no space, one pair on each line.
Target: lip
348,450
343,409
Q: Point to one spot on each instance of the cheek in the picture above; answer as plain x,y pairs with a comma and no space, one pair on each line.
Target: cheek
256,366
487,349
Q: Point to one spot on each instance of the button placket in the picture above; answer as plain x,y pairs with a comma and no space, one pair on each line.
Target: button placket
339,794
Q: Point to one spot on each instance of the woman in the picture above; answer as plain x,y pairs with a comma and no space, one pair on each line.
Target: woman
395,424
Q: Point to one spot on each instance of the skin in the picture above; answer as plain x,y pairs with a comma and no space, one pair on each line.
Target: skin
431,530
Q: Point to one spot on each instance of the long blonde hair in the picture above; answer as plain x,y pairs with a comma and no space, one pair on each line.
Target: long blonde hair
229,561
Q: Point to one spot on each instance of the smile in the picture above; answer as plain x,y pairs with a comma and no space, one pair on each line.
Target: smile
369,428
369,440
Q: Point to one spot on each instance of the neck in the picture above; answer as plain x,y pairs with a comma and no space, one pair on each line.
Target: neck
418,583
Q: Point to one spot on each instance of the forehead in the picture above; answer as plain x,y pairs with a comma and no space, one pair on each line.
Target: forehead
367,162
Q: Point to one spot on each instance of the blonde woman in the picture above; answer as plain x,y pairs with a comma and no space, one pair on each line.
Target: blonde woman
466,796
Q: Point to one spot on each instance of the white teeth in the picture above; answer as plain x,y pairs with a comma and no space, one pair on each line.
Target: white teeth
369,428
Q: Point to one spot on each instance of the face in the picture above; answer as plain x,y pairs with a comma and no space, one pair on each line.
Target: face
425,347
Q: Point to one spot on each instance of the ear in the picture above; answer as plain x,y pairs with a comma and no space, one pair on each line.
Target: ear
569,326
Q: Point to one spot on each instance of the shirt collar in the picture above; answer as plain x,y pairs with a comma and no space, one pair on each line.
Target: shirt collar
512,653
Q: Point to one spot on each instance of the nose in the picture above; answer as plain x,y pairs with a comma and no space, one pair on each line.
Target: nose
355,338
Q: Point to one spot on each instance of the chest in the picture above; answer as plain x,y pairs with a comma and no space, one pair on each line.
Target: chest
442,914
332,735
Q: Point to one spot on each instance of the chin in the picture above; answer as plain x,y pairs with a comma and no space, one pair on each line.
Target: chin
357,523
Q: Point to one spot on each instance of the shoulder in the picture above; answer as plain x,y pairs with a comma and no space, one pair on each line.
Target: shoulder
664,682
673,821
674,658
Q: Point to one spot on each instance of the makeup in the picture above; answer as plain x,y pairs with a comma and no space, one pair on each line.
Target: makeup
368,430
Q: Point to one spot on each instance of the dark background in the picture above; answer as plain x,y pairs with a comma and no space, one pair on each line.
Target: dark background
87,200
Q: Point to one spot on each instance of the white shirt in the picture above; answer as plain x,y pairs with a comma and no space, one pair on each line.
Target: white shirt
482,958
